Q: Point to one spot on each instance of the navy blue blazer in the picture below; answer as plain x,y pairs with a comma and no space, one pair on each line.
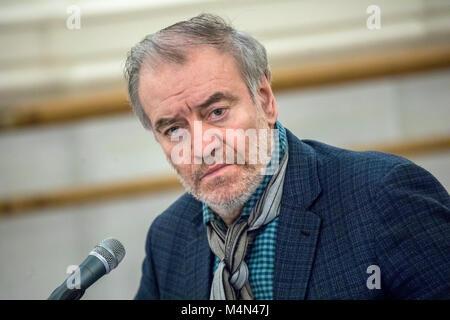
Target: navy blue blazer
341,213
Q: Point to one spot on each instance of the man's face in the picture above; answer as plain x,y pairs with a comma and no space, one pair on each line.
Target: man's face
207,88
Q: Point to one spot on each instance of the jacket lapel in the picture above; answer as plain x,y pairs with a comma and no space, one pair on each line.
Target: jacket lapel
298,227
297,236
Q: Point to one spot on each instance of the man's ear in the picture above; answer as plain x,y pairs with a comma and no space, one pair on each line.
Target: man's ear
267,100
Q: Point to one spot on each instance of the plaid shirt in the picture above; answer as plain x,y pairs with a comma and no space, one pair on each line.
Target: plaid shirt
260,257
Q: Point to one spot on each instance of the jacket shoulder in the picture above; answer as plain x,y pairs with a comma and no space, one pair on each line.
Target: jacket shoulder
182,213
345,155
363,167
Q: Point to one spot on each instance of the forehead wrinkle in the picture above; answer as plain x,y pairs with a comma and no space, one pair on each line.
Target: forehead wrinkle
189,107
194,93
175,114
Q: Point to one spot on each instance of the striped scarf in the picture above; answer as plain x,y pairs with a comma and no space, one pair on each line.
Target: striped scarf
230,280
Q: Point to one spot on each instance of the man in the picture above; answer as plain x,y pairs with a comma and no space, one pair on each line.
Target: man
304,221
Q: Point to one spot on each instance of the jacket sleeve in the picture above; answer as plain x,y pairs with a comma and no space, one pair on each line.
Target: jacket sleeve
148,288
412,235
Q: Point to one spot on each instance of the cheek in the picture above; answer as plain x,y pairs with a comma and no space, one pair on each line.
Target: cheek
181,165
248,117
246,131
184,170
179,156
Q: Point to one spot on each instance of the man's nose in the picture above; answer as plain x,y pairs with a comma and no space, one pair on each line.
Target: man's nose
206,141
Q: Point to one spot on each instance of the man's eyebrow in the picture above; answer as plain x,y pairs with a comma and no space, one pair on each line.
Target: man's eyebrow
216,97
164,122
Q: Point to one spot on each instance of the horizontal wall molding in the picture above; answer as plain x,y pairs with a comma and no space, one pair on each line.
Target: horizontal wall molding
298,76
134,187
88,194
361,67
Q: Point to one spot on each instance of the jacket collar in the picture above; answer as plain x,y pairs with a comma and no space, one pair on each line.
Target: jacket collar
301,186
298,227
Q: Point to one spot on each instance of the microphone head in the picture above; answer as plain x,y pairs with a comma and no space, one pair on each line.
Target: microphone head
112,251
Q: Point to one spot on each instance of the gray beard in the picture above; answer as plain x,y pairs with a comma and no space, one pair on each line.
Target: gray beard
229,206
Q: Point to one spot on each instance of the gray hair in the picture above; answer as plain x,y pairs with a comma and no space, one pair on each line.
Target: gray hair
169,45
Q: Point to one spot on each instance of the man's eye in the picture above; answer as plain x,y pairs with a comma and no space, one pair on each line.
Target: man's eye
171,130
217,112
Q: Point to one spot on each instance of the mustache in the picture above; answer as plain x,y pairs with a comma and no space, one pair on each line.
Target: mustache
197,174
198,171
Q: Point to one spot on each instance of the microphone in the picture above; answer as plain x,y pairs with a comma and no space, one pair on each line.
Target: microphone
100,261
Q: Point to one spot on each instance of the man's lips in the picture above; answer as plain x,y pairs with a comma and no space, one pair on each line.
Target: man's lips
213,169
